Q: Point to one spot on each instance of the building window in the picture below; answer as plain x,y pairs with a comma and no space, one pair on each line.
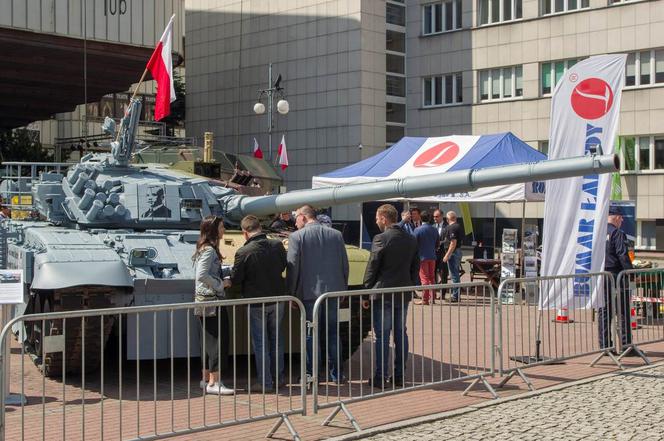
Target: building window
502,83
441,17
395,85
543,146
395,113
395,63
552,73
556,6
494,11
394,134
645,68
642,153
395,14
646,234
395,41
443,90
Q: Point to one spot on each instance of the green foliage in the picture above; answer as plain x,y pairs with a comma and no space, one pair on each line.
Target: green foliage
21,145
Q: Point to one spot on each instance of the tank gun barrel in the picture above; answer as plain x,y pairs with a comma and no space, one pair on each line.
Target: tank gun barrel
422,186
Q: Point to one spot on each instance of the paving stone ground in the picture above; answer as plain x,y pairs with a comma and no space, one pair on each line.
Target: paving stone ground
627,406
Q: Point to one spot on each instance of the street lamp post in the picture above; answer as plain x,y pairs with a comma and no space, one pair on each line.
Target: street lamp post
283,107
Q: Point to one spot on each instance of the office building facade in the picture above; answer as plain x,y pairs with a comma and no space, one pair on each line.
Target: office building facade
359,75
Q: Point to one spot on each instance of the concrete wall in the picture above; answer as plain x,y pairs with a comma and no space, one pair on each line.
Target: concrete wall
138,22
331,55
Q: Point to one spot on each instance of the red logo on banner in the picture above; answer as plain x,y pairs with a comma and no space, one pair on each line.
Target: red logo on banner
437,155
592,98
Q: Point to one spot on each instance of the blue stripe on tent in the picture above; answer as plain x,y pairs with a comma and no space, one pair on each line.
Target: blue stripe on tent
497,150
384,163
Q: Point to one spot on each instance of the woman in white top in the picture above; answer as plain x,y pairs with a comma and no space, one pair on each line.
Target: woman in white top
210,287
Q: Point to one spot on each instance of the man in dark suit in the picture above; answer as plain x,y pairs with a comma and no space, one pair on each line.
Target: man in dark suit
394,261
155,200
318,263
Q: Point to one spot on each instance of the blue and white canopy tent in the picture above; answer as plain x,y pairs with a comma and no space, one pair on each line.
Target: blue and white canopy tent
413,156
423,156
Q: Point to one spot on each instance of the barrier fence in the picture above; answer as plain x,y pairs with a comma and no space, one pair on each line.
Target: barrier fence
394,345
89,394
544,320
641,294
95,381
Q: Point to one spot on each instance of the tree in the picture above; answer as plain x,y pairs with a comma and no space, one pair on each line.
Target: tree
21,145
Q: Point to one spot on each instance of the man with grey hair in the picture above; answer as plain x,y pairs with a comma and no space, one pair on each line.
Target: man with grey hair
453,256
318,263
257,267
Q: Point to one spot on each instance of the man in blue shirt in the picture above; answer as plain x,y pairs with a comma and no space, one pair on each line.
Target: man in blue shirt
406,222
427,242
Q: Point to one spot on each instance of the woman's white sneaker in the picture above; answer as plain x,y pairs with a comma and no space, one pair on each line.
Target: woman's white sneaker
219,389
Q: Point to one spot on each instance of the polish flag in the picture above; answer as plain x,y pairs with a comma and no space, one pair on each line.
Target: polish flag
282,153
258,153
161,68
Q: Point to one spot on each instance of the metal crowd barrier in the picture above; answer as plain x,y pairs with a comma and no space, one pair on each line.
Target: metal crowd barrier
444,342
641,294
545,320
91,394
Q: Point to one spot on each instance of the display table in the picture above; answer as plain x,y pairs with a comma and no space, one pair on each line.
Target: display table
488,269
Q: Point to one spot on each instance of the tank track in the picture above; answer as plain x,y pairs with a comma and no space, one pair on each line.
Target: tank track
75,299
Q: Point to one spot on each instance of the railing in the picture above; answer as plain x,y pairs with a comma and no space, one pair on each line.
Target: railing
640,296
372,343
432,344
18,194
153,399
543,320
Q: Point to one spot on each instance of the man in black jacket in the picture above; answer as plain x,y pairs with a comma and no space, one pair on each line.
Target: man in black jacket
616,260
394,262
258,267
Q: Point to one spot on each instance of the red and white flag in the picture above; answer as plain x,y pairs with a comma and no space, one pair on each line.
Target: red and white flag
258,153
161,68
282,153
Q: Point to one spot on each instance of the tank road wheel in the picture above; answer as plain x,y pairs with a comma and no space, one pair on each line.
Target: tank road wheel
46,344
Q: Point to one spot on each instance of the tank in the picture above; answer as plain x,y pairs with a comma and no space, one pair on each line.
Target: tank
107,233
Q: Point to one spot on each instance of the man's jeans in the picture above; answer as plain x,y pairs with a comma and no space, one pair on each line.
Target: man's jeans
454,266
327,312
269,352
390,315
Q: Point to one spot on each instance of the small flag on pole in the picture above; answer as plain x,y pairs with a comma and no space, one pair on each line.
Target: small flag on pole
161,68
282,153
258,153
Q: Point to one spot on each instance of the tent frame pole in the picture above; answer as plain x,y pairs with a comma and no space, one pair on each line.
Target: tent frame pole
361,224
494,229
523,236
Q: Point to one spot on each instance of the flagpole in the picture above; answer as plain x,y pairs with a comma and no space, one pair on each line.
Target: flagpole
145,72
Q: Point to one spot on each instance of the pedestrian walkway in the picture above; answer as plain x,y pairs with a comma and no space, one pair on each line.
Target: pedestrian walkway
623,406
43,419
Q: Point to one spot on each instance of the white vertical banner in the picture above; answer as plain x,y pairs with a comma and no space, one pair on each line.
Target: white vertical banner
584,119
